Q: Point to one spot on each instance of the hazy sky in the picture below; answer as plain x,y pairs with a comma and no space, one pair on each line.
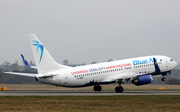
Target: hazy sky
90,30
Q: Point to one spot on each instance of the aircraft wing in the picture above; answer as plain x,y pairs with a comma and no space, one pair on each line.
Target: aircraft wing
116,77
122,77
22,74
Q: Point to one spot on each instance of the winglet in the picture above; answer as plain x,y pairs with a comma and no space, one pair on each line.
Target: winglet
25,61
27,64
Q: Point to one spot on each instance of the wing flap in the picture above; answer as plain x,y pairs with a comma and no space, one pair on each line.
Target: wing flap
124,76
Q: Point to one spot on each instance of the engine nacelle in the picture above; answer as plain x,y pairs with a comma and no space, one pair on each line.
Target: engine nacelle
145,79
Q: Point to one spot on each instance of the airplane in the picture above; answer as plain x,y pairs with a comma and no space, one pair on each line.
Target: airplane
139,71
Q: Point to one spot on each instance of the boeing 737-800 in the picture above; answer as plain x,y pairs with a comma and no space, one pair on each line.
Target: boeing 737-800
137,70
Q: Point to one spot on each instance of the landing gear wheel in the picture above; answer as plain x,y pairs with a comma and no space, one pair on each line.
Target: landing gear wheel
163,79
97,88
119,89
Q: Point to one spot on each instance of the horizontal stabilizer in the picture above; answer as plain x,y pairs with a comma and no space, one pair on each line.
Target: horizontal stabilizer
32,75
22,74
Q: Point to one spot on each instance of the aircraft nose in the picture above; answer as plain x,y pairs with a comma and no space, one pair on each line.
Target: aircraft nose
175,64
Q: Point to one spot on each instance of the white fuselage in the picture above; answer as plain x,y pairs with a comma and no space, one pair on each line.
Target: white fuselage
108,72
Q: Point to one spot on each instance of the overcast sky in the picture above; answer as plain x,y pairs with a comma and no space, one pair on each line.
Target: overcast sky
90,30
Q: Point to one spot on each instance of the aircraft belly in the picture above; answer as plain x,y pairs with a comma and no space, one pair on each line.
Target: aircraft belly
51,81
84,81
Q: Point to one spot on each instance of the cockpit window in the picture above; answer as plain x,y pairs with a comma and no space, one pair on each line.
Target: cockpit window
171,59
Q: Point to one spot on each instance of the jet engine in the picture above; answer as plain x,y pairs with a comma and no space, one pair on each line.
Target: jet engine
145,79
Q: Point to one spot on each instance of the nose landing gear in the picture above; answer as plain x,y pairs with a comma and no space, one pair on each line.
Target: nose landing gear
163,79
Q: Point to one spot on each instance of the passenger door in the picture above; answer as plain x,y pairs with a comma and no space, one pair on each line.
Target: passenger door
166,63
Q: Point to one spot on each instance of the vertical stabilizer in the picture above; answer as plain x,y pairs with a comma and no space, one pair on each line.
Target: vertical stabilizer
44,61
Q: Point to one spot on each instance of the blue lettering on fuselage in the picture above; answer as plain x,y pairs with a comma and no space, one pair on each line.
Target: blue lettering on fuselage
137,62
101,68
93,70
96,69
151,60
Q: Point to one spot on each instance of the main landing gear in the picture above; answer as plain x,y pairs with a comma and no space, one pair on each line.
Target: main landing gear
119,89
97,88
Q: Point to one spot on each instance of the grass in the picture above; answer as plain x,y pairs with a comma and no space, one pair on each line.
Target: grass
152,103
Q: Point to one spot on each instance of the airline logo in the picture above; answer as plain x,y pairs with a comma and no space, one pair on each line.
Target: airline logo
41,48
137,62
